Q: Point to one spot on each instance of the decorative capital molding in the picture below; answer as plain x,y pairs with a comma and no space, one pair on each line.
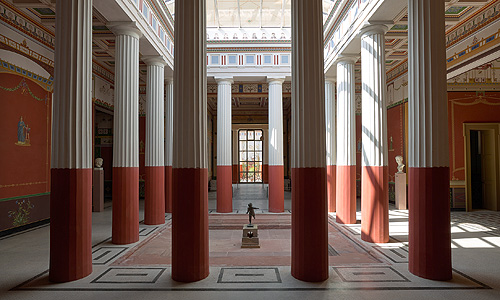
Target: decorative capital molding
375,27
224,80
155,60
347,59
125,28
275,80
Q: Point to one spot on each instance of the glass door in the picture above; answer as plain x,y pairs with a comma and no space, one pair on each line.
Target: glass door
250,150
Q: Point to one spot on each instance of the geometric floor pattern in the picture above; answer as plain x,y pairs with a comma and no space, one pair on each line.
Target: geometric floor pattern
354,264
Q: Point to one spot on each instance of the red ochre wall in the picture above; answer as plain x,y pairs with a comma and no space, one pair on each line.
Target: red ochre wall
468,107
396,131
25,169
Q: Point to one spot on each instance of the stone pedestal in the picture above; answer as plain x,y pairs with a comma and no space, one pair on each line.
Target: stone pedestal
400,191
98,191
250,237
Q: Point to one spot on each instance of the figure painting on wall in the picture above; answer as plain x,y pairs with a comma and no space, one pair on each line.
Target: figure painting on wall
23,133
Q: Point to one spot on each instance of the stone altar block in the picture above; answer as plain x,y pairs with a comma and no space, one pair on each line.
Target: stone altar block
98,190
400,191
250,237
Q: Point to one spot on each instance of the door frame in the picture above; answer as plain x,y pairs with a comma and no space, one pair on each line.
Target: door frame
467,128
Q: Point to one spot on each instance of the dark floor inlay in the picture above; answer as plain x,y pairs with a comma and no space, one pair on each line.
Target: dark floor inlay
249,275
331,251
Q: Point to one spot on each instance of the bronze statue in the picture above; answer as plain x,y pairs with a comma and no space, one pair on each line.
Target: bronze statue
251,213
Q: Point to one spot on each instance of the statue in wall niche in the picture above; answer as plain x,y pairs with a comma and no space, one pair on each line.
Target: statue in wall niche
98,163
251,213
399,161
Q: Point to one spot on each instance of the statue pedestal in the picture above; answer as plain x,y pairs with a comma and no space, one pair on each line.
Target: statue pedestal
250,237
400,191
98,190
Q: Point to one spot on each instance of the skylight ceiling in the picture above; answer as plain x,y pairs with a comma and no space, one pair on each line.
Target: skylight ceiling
250,13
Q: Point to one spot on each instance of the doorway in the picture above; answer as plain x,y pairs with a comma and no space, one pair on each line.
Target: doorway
482,166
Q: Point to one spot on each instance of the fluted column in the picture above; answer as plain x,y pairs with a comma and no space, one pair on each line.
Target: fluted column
71,163
190,164
276,169
169,136
374,174
154,202
428,156
126,135
224,168
346,148
309,208
331,144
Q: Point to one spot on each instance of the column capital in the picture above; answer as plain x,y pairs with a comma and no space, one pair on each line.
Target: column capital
375,27
275,80
154,60
331,79
169,80
125,28
224,80
347,58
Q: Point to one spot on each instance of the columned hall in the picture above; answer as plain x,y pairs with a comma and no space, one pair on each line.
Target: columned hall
250,148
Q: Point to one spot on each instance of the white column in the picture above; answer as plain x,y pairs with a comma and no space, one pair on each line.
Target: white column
154,204
169,137
126,134
374,173
155,107
190,160
428,153
224,166
71,162
309,217
331,144
276,168
346,147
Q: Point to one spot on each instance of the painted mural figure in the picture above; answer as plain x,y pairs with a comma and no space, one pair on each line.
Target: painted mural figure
20,131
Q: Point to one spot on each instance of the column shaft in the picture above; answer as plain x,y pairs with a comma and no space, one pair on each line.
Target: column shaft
346,149
428,156
154,202
71,163
224,167
169,135
126,136
190,160
331,144
374,175
276,169
309,207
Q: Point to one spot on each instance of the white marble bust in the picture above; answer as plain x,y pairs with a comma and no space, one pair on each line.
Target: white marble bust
399,160
98,163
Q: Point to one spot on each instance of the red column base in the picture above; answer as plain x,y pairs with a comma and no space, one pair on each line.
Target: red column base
190,225
168,189
224,189
331,184
429,224
125,226
265,173
375,204
70,224
276,189
154,202
346,195
309,224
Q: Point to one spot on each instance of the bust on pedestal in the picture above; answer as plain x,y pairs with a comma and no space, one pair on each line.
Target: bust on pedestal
400,184
98,190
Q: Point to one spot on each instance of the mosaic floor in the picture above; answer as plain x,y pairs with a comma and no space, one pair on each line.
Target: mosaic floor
354,264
